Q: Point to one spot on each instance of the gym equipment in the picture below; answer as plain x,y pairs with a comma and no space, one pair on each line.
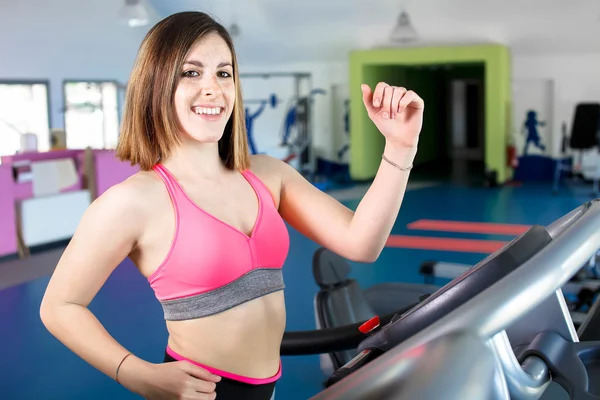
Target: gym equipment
250,117
273,101
586,125
463,367
451,296
587,277
299,117
300,149
345,147
581,292
585,135
341,301
511,302
292,114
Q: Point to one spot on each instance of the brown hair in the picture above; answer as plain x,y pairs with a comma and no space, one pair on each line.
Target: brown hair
150,125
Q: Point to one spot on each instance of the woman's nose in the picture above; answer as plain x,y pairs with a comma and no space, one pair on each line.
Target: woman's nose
210,86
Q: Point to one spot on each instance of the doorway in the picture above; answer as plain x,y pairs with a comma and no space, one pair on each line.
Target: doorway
466,114
466,129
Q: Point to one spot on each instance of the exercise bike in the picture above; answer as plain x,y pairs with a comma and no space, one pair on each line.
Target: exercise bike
341,301
501,330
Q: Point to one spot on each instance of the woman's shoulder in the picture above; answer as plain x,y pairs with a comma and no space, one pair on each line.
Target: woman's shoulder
269,167
123,210
133,196
270,171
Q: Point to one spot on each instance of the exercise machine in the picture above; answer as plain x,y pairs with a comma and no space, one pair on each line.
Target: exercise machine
251,116
585,135
509,307
298,114
344,149
581,292
298,119
341,301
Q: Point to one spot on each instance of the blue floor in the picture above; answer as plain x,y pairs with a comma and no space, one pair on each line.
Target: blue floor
36,366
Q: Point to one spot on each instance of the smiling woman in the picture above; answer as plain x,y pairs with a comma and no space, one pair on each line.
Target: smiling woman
179,55
215,109
203,221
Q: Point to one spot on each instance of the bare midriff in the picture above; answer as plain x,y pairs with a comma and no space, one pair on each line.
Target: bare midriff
244,340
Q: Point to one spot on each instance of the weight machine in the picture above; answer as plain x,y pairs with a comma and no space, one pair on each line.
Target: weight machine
273,101
299,114
585,137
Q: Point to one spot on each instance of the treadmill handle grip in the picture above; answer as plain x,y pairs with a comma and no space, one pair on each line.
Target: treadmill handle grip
329,340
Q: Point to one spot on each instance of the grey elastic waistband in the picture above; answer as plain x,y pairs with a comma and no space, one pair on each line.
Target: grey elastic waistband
256,283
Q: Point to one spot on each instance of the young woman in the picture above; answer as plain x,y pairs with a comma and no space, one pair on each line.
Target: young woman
204,222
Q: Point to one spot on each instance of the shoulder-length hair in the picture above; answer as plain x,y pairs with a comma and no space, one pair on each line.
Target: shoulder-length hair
150,126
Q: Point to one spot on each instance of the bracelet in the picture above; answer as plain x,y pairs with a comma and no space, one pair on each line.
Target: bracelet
396,165
119,367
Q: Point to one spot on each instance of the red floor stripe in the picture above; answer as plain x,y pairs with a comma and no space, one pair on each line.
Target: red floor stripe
445,244
489,228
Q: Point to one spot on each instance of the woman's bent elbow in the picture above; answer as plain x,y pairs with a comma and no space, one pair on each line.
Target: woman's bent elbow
369,258
46,312
365,255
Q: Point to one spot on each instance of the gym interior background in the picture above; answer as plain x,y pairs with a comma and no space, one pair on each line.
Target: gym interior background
509,140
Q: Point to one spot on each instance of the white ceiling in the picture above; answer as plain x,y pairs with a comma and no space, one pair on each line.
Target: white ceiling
323,30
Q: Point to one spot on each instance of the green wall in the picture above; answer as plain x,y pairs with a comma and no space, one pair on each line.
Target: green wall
396,65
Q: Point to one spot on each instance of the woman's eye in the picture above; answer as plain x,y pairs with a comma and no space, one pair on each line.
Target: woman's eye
224,74
190,74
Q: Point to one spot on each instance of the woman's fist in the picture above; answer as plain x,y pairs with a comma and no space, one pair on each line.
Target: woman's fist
396,111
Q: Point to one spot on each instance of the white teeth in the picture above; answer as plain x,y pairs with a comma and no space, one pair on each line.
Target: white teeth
206,110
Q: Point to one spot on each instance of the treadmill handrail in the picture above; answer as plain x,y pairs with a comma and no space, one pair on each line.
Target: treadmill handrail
560,225
576,240
463,367
518,293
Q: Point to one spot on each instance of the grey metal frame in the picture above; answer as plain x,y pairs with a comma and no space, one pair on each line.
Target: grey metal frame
308,169
489,317
527,381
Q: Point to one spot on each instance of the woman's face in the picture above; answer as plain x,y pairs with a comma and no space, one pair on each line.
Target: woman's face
205,95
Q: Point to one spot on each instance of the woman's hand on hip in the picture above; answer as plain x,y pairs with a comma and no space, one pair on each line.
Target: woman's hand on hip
179,380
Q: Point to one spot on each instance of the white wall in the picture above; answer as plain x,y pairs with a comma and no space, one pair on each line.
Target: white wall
575,77
70,39
535,95
65,39
268,126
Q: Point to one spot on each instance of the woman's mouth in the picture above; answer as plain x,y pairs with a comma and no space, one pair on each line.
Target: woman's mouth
208,113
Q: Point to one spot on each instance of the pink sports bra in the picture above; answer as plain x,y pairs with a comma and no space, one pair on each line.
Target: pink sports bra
212,266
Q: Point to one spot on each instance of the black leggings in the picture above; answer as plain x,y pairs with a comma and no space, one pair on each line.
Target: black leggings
229,389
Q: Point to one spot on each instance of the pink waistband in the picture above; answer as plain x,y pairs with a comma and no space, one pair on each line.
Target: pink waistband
229,375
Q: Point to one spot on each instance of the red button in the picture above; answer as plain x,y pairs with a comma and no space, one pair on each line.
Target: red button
369,325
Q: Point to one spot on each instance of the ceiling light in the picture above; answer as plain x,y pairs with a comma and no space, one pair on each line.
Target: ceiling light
404,32
234,30
134,13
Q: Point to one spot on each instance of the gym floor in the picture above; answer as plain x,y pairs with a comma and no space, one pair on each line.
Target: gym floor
37,366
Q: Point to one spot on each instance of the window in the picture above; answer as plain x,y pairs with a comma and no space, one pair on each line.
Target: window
24,108
91,114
